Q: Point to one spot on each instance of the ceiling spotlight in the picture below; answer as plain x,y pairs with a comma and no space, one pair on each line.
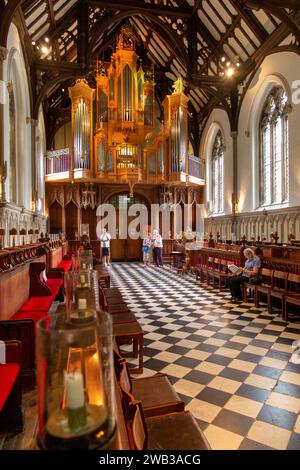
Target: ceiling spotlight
223,59
47,39
38,48
45,50
228,64
230,72
33,43
63,90
238,64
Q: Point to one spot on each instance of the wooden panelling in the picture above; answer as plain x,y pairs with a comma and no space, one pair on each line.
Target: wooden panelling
14,291
55,218
71,221
88,216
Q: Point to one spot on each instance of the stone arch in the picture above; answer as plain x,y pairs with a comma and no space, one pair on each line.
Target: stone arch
17,80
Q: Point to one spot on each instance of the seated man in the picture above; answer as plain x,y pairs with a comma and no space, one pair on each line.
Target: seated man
251,269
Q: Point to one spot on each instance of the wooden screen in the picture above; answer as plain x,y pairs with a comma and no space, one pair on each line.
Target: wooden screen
55,217
72,230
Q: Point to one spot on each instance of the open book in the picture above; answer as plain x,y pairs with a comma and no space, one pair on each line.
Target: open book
234,269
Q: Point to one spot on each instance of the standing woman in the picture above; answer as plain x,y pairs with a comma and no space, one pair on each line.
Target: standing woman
147,243
157,244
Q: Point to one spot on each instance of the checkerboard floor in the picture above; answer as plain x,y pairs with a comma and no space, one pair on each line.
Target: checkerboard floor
231,364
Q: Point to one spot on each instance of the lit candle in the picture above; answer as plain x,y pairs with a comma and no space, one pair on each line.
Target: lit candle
82,305
75,390
75,401
84,266
82,279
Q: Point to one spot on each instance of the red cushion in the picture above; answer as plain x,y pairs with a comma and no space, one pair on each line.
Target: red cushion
38,304
54,285
8,375
35,316
65,264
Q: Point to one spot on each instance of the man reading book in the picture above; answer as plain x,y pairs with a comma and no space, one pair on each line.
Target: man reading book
251,269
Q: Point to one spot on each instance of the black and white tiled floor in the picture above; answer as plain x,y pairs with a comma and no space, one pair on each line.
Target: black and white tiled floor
230,363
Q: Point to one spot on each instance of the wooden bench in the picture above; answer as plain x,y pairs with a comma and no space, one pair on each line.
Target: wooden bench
126,328
21,325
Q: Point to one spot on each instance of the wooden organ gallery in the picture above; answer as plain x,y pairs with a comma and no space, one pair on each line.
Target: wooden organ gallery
121,139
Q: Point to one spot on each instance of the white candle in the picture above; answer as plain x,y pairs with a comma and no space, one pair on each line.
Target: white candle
82,304
84,266
75,390
82,279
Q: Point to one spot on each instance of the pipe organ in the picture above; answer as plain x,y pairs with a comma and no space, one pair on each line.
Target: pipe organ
125,141
82,124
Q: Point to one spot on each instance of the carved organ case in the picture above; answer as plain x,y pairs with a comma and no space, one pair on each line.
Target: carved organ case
82,97
176,130
125,113
127,142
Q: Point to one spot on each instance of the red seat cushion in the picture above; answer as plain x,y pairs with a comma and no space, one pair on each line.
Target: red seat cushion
8,375
65,264
35,316
38,304
54,286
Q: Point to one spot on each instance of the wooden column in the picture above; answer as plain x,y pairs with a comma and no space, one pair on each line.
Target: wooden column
3,168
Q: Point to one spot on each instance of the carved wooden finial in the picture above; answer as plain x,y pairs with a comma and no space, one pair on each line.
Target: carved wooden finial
178,86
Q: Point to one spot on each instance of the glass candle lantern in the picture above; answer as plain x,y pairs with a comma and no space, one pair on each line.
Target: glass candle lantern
82,295
75,384
85,260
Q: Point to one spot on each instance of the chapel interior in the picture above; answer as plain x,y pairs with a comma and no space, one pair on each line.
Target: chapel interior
191,107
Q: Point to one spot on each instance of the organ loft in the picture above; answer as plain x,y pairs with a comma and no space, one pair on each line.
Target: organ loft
122,141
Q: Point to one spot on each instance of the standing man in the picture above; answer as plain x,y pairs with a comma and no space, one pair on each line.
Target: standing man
105,238
157,248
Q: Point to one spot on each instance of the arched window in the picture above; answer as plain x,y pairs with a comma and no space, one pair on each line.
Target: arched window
12,146
274,144
217,196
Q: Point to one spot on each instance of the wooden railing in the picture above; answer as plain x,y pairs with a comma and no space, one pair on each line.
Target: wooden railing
58,161
195,167
11,258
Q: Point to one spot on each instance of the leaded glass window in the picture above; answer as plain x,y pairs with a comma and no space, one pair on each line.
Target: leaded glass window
274,158
217,196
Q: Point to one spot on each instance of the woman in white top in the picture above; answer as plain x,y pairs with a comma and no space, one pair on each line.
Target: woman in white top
105,238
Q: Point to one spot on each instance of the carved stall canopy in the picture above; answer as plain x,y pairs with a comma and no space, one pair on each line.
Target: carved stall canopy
214,45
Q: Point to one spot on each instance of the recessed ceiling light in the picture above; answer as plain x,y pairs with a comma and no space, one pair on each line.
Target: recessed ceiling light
33,43
230,72
223,59
47,39
228,64
45,50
